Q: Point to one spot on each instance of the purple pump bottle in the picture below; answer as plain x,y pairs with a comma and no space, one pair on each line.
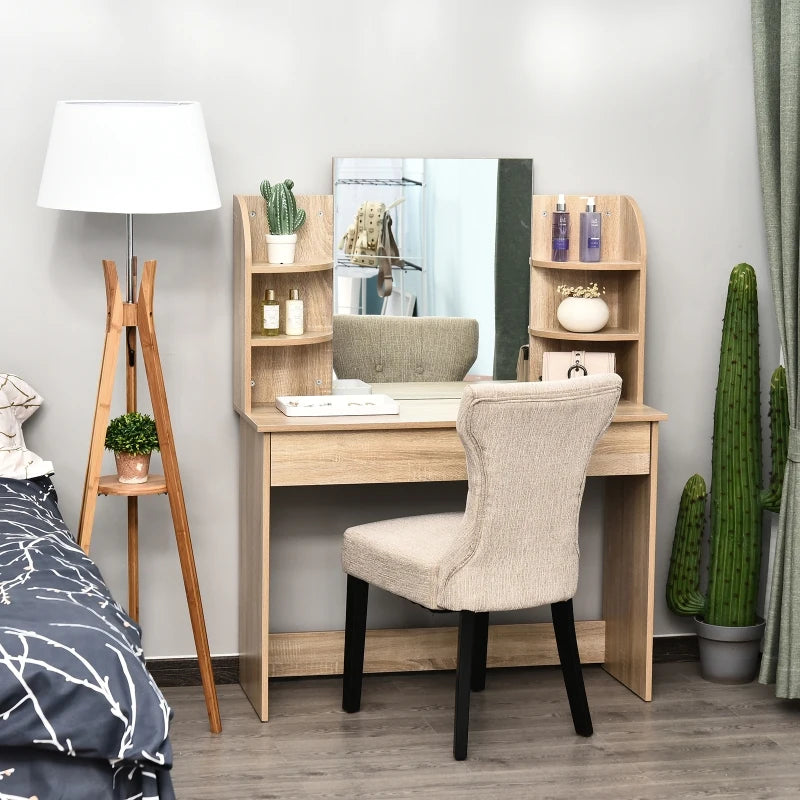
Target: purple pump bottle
561,231
591,222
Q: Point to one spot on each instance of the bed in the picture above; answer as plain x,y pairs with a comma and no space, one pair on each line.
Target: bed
77,705
80,716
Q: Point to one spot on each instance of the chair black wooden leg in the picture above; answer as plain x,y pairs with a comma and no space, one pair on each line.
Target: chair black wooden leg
355,630
466,637
564,627
479,645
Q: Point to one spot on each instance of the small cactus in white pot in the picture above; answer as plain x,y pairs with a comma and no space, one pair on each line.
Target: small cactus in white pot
284,218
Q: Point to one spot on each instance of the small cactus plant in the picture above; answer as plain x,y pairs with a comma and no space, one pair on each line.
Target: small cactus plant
283,215
736,497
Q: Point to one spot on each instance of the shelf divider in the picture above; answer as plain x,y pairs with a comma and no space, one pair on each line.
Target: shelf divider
283,340
599,266
605,335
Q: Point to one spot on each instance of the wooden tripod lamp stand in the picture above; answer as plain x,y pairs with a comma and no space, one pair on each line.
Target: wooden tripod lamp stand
135,158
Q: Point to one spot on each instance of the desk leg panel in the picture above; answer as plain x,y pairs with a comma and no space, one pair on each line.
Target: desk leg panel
254,480
629,575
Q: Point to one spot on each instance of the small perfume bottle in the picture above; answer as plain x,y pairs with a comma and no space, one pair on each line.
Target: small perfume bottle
294,314
591,225
272,314
561,231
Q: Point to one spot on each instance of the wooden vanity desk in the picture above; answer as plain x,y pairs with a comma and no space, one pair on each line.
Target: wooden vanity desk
421,444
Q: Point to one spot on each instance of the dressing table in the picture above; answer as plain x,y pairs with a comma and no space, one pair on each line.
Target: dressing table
420,444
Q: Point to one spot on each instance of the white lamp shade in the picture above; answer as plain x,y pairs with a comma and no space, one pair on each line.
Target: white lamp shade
128,158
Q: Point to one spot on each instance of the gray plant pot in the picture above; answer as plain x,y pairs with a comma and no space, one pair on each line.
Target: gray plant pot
729,654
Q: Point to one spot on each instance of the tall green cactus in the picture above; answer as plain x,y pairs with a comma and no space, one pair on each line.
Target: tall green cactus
283,215
737,501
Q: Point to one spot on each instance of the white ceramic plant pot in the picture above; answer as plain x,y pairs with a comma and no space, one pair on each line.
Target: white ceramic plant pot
132,468
280,249
582,314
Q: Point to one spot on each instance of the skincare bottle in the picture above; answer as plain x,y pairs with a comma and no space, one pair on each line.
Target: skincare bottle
272,314
591,223
561,231
294,314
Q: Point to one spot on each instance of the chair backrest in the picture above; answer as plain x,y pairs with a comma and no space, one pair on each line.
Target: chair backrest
528,446
381,349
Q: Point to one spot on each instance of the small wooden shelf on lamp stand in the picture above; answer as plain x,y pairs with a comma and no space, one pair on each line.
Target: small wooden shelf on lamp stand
139,316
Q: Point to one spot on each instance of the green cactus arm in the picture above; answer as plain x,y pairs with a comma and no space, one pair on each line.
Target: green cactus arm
779,439
268,193
284,209
683,581
294,217
292,204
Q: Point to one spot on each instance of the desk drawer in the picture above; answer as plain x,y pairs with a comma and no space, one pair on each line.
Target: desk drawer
623,450
378,456
417,455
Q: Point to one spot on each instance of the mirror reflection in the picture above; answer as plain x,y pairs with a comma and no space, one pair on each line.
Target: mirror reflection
443,237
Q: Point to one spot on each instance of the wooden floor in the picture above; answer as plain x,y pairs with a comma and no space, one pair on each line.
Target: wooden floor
695,740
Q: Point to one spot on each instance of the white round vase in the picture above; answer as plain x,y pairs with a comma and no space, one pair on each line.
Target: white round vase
280,249
582,314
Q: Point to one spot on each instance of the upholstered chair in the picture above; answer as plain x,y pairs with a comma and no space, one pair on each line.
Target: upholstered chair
515,546
379,349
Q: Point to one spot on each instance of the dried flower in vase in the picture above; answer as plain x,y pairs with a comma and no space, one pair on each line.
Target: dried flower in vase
591,290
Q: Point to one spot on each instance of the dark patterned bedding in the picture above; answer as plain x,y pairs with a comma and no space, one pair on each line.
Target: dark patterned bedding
80,716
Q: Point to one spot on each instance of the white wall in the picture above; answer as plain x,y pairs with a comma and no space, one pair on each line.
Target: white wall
649,99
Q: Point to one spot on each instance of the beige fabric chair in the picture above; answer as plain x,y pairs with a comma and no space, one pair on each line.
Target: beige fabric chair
379,349
516,545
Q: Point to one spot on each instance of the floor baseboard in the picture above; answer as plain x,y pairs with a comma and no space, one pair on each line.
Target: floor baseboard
185,671
667,649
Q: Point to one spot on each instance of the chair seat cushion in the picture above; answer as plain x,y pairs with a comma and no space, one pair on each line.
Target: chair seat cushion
402,555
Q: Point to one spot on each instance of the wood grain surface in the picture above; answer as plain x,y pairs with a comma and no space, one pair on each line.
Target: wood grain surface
416,649
695,740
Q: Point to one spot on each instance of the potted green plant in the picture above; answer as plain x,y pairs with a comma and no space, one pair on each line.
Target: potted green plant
728,625
583,309
132,437
284,219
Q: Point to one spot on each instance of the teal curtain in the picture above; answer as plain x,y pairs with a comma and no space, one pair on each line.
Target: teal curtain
776,65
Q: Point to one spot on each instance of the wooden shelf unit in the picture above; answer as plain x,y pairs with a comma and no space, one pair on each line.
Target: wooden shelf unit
621,274
266,367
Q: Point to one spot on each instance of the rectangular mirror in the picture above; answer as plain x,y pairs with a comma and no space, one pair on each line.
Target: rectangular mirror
437,237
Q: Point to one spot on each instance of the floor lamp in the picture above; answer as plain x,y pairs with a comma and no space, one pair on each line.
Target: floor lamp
135,158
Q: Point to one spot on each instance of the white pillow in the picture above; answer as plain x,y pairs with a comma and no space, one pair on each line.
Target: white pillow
18,400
